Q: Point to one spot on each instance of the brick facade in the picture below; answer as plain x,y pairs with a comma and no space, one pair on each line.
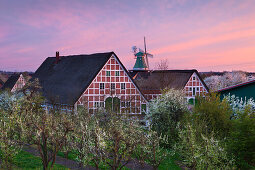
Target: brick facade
113,81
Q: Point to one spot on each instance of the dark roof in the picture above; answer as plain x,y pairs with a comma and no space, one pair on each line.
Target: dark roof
160,79
65,81
237,86
1,82
11,81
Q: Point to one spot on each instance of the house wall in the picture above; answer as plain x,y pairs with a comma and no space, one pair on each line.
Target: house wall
112,74
19,84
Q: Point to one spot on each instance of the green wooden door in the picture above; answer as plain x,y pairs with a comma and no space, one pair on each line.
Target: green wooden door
112,104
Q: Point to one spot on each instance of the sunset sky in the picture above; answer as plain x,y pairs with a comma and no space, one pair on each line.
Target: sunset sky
191,34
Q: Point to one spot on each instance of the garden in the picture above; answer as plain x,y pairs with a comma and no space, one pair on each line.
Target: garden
212,134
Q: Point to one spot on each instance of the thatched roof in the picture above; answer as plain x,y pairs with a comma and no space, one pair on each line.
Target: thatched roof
11,81
65,81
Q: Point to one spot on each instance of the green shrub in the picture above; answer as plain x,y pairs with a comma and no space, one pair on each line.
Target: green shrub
202,152
214,114
166,111
242,139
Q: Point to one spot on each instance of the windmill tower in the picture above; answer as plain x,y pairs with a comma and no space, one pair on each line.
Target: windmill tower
141,57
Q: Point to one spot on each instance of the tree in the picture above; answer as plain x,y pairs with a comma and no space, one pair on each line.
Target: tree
228,79
214,114
156,153
162,65
88,141
242,137
47,129
121,138
200,151
166,111
10,130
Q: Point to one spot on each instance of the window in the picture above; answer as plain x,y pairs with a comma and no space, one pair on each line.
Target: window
194,91
127,104
101,85
108,73
123,86
194,78
112,86
96,104
117,73
101,104
197,88
190,89
123,104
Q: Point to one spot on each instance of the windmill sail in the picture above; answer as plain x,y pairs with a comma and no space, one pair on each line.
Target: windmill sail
141,57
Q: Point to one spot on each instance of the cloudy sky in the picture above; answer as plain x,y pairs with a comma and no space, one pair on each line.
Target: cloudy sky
202,34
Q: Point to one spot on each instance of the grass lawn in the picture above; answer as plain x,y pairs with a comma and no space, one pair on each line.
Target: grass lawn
25,160
169,164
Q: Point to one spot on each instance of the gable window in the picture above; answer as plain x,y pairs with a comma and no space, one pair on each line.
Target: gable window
112,86
101,86
117,73
194,78
108,73
128,104
123,86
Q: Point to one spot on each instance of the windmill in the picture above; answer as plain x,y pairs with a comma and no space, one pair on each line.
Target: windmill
141,57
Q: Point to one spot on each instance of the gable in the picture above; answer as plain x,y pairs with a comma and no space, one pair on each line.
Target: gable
195,86
9,84
113,72
20,83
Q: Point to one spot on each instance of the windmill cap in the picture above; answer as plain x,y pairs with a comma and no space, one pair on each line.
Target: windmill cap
139,54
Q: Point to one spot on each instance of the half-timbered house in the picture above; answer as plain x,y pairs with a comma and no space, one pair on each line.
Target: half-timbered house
16,82
153,82
94,81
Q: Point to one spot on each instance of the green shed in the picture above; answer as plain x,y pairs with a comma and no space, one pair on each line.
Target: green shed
246,89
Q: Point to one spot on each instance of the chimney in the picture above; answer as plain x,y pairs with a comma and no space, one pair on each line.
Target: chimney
57,57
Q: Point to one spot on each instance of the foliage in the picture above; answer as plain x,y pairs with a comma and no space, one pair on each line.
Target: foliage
10,130
200,151
214,114
88,140
156,153
203,135
242,138
227,79
166,111
121,138
47,129
239,104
